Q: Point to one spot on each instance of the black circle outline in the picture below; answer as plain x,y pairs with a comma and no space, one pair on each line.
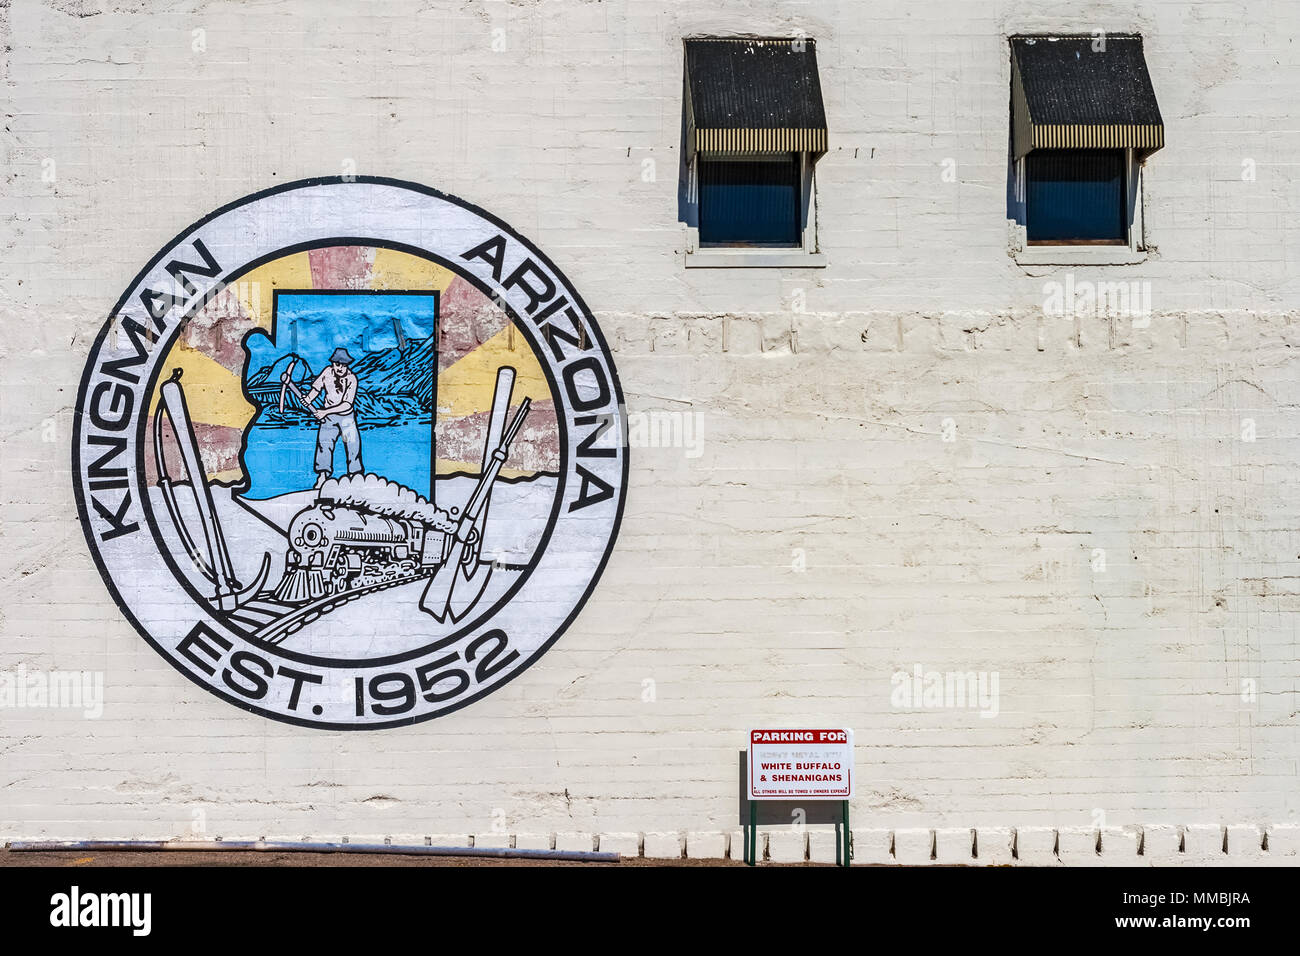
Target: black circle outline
77,476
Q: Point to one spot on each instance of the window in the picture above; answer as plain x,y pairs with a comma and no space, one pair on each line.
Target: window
1084,118
753,127
749,202
1076,196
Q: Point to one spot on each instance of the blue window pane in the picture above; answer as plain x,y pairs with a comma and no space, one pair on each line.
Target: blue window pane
1075,194
749,203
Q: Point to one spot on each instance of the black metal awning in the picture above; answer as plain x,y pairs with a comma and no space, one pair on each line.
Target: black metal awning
753,96
1082,93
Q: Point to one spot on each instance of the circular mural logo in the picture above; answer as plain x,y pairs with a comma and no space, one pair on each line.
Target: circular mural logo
350,453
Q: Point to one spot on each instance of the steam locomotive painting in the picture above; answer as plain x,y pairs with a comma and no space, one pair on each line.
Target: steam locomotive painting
339,547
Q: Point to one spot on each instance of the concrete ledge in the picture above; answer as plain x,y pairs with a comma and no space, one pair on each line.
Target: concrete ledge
873,846
1077,846
1119,846
953,845
435,839
1244,844
706,844
663,845
1036,846
494,840
1079,256
534,841
575,841
822,842
624,844
993,846
735,844
1284,844
1162,845
789,845
913,847
1203,844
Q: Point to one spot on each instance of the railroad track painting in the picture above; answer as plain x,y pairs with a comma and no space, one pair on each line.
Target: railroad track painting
270,621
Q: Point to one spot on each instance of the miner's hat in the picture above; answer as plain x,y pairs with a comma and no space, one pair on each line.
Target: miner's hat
341,356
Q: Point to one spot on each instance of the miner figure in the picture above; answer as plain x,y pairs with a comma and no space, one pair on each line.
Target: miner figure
337,417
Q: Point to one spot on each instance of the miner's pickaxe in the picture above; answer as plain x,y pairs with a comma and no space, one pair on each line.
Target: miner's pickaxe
286,382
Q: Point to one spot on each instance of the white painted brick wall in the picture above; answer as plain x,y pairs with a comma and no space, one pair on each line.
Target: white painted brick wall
1121,691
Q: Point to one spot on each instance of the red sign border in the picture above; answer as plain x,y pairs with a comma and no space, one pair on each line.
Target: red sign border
749,753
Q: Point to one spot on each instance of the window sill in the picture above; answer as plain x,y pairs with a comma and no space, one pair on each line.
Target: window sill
754,259
1092,255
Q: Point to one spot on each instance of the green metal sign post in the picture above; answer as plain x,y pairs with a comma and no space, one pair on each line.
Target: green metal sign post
843,839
